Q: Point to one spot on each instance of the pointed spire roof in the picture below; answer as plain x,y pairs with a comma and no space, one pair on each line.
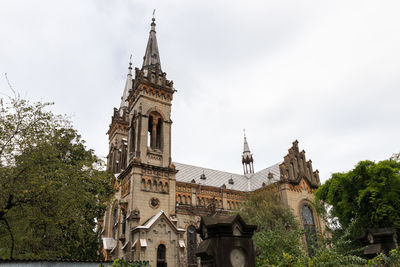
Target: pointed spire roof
128,86
247,157
151,58
246,148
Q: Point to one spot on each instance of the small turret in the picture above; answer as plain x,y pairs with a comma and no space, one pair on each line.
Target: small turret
247,158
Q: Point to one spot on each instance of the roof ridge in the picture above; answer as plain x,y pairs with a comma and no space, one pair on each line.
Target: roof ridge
209,168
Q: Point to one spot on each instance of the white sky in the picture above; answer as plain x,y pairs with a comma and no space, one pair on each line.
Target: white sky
323,72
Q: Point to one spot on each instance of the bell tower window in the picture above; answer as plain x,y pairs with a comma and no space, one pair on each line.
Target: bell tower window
154,137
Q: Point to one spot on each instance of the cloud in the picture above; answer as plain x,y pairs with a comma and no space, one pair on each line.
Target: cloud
325,73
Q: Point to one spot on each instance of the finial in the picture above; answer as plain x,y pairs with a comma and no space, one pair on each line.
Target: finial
130,65
153,24
244,132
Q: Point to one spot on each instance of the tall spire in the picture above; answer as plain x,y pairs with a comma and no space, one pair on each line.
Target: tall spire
247,157
128,86
151,59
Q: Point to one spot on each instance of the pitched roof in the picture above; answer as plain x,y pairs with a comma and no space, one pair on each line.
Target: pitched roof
149,223
249,182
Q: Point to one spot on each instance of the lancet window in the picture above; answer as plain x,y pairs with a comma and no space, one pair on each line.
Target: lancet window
191,243
155,131
307,219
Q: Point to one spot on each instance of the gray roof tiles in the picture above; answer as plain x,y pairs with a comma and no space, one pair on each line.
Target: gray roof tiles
249,182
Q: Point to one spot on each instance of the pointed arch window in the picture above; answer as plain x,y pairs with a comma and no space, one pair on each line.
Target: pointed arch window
115,221
123,224
191,246
133,135
307,218
161,260
155,131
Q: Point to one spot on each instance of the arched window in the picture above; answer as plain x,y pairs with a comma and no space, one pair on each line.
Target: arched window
148,188
143,184
155,186
155,131
191,246
114,221
133,134
166,187
161,262
123,224
307,219
160,187
159,134
123,156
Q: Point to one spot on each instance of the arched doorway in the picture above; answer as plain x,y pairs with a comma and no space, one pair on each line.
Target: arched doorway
161,261
307,219
191,246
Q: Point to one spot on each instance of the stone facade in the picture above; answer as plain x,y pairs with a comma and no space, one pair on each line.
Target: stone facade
158,202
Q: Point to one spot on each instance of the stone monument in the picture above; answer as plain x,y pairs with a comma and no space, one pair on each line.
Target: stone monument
226,242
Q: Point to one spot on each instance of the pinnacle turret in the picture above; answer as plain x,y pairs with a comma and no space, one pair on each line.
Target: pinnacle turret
128,87
247,158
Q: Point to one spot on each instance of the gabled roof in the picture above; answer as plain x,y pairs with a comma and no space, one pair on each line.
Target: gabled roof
249,182
152,220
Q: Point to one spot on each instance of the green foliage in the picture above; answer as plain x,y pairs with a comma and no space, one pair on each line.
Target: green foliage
393,259
52,188
366,197
280,242
278,236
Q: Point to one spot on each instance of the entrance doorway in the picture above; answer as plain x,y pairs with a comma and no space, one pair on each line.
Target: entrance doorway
161,261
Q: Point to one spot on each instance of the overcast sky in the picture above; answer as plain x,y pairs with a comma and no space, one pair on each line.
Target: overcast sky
323,72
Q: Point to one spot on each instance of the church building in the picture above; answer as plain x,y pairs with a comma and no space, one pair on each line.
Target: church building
157,206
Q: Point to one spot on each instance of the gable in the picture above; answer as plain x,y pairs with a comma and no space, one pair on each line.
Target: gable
154,221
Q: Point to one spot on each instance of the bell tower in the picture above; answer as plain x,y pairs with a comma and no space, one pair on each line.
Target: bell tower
150,110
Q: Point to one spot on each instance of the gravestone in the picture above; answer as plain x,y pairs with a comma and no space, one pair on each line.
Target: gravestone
226,242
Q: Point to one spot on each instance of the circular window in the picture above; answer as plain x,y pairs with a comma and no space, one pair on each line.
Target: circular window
154,203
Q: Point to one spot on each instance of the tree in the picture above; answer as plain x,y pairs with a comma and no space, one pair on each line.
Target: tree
278,237
52,188
366,197
280,241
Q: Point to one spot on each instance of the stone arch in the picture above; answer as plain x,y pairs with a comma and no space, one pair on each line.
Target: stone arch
156,110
